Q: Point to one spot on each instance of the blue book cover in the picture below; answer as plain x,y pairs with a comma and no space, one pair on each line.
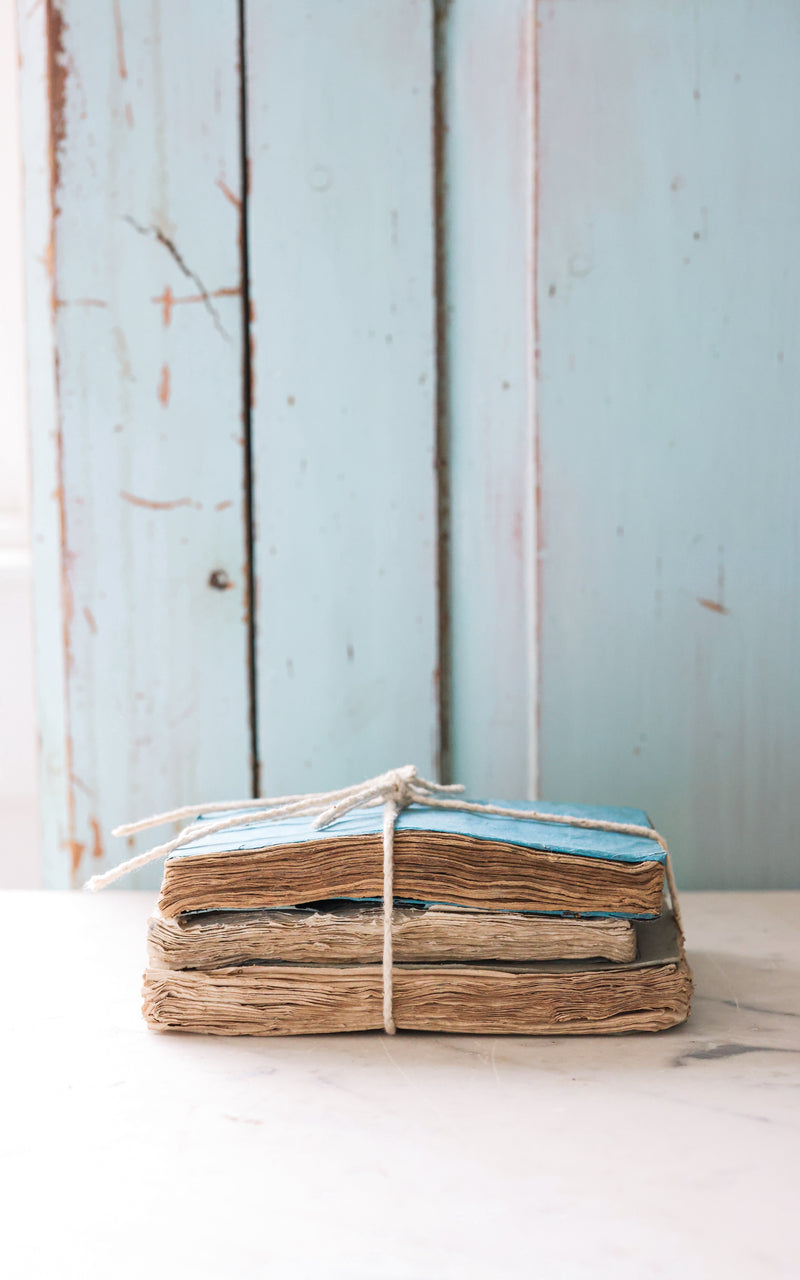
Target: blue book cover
527,833
287,861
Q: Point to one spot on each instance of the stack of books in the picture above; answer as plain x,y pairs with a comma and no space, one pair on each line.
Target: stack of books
499,925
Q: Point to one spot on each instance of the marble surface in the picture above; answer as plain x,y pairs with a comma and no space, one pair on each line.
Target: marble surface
426,1157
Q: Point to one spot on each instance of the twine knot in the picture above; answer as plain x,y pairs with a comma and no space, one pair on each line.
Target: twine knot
401,781
401,787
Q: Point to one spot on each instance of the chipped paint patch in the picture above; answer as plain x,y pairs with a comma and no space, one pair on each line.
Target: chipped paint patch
228,194
121,64
97,839
152,505
80,302
57,92
713,605
76,850
164,386
168,301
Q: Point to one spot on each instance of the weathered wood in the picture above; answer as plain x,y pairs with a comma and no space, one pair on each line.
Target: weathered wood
668,300
138,455
51,697
487,101
341,253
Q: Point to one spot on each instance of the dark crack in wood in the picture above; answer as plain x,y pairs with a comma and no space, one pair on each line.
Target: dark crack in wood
155,233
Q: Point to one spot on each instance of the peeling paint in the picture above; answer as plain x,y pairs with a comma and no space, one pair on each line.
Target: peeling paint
57,92
713,605
47,259
80,302
153,505
164,386
228,194
517,535
121,64
97,839
76,849
168,301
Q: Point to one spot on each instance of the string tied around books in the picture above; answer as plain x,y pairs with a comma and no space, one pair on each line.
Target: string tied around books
395,790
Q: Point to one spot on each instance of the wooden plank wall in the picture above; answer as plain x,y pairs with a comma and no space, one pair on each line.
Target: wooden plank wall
341,236
519,387
141,570
486,71
668,286
40,338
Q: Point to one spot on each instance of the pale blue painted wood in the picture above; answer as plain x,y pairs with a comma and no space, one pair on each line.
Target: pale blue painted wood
669,459
148,424
668,295
487,63
51,690
342,283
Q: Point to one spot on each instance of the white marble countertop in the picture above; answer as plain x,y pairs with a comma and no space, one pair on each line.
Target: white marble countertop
423,1157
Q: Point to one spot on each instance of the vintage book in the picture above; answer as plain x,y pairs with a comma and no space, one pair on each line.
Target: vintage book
440,856
348,932
649,993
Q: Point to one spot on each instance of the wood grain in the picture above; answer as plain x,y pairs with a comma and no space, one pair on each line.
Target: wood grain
342,276
141,575
668,288
487,72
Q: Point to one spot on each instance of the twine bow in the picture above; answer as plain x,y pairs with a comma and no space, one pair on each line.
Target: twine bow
395,790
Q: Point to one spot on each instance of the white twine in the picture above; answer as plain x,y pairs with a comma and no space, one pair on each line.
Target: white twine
395,790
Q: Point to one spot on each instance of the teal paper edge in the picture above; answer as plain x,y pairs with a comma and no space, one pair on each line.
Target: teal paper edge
561,915
526,833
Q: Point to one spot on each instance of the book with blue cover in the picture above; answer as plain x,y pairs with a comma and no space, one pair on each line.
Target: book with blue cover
440,856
